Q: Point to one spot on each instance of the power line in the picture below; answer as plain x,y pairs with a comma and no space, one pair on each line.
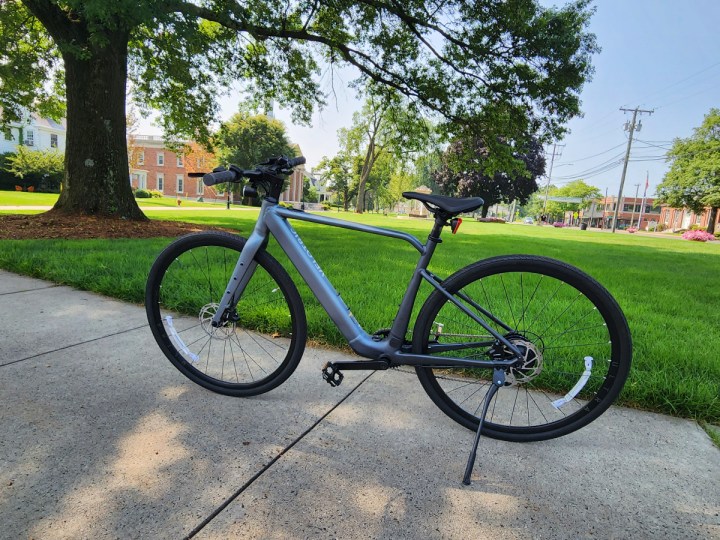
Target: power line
654,145
599,154
661,90
591,170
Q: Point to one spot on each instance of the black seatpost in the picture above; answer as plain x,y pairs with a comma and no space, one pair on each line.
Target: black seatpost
440,222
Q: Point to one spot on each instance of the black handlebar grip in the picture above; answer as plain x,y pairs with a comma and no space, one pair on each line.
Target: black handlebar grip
296,161
210,179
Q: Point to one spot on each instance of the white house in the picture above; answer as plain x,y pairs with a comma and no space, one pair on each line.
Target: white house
34,132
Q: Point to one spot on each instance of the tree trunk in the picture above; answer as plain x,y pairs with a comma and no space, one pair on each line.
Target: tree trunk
370,158
97,176
712,218
485,208
360,206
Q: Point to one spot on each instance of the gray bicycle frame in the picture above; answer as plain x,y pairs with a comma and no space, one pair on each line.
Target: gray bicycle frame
273,220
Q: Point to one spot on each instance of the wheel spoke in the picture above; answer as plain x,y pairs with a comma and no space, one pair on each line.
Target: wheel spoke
263,340
565,339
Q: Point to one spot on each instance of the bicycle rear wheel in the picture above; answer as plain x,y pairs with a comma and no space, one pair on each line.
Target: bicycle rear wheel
574,336
246,357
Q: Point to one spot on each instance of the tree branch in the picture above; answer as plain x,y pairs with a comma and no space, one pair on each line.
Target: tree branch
362,61
55,20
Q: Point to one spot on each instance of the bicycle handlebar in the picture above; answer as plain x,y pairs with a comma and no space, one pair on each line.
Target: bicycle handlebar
218,177
296,161
273,167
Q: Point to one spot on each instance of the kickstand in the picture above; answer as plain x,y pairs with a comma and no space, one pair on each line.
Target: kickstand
497,382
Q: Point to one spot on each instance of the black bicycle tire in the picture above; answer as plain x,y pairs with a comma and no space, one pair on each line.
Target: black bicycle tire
278,274
594,291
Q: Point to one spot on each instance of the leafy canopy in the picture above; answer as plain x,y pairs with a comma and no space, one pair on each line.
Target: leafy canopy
246,140
385,133
31,75
693,180
464,172
484,66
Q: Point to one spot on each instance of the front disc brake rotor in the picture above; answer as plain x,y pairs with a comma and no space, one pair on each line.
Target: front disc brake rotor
207,312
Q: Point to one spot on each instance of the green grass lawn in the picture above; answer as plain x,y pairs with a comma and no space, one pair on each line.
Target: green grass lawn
23,198
668,288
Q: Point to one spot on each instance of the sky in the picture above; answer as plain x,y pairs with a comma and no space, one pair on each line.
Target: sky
658,55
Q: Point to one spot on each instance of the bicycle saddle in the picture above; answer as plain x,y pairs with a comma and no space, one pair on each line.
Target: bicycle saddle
448,205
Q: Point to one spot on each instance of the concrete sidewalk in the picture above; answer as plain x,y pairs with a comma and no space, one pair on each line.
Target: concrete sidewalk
100,437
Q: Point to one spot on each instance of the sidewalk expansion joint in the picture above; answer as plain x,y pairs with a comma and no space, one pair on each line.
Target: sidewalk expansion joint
272,462
32,290
73,345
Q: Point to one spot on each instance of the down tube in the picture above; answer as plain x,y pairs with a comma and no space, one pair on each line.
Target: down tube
290,242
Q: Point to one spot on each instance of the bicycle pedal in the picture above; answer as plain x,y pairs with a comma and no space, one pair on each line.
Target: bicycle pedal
332,375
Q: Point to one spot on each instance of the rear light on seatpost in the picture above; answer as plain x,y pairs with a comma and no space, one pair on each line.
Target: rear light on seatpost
455,224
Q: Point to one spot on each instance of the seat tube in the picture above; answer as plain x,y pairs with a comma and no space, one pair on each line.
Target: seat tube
402,320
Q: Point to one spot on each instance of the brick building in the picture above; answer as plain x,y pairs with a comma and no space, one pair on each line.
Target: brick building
154,166
680,218
294,191
629,213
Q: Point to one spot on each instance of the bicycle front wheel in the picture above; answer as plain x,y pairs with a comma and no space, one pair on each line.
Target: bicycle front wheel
244,357
573,335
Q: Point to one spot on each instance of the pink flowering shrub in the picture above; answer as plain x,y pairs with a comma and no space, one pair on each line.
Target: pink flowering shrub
558,224
698,236
632,230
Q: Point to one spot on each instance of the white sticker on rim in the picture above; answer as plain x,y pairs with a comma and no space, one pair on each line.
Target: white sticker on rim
578,385
194,358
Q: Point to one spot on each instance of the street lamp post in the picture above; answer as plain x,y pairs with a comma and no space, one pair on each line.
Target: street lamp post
632,216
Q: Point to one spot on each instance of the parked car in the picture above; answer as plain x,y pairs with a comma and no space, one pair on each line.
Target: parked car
528,220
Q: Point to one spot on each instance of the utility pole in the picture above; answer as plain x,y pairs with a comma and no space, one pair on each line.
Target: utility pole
555,153
631,127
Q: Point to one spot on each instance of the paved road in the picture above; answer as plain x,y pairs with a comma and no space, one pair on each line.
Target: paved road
100,438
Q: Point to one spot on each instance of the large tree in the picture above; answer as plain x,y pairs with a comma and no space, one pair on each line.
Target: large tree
385,126
494,67
246,140
468,170
336,171
693,180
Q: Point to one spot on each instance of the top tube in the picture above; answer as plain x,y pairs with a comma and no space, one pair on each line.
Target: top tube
341,223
